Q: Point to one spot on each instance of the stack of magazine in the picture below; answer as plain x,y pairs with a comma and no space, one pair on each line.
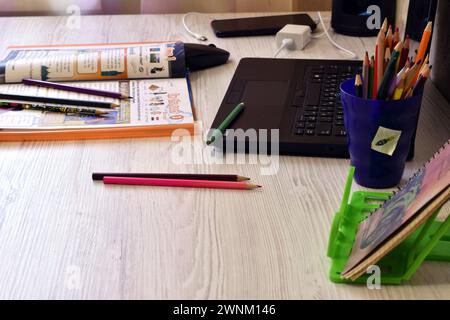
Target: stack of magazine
153,74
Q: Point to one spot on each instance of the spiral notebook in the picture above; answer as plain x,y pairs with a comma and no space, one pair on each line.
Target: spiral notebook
399,216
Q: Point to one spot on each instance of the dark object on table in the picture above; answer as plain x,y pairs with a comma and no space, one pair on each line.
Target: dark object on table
298,97
199,56
351,17
257,26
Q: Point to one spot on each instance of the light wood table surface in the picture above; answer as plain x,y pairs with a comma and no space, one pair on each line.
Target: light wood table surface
63,236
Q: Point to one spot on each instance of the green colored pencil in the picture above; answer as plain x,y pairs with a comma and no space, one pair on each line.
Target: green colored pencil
224,125
389,73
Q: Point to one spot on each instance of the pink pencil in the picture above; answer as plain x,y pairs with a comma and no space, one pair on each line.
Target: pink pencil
180,183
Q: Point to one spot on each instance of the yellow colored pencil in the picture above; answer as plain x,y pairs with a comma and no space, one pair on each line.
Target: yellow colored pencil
399,89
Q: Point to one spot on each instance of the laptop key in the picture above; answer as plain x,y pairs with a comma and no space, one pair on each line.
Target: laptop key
323,129
339,131
325,119
313,94
310,125
326,114
299,132
309,132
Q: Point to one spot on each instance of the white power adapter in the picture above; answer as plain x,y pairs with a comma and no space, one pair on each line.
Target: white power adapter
292,37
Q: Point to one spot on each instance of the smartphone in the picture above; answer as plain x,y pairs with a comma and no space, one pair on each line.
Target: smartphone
257,26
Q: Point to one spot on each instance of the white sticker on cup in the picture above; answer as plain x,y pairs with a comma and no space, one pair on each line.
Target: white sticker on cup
385,140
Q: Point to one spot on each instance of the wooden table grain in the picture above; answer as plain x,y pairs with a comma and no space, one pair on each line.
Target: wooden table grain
64,237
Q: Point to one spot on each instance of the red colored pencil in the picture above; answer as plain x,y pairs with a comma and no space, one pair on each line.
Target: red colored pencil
404,54
180,183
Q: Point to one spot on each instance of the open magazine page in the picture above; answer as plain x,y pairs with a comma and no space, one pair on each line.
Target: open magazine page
155,102
94,62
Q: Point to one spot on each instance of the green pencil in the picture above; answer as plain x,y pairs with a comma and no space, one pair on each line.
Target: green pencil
224,125
389,73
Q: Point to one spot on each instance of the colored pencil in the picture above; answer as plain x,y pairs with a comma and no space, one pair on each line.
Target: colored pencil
396,81
396,37
226,122
399,89
358,86
65,87
424,63
375,74
55,108
408,93
380,57
404,54
421,69
389,38
183,176
384,26
424,42
411,74
366,67
390,71
59,101
371,74
420,84
180,183
387,57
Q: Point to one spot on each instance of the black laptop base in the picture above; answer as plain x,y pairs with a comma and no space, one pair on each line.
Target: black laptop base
298,97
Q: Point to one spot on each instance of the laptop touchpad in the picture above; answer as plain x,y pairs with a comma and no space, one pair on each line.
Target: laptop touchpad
264,104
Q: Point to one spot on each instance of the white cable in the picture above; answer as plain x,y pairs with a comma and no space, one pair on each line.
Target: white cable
320,35
192,33
332,41
285,43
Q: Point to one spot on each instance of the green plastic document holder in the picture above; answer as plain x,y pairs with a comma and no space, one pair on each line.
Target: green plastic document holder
431,241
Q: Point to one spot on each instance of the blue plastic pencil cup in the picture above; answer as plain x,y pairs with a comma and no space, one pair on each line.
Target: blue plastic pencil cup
380,134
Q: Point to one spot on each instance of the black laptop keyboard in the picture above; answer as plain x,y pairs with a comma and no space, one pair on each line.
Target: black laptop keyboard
318,101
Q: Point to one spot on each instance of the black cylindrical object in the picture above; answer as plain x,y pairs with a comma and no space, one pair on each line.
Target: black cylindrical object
351,17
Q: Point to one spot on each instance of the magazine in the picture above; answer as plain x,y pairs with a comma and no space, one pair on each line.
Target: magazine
93,62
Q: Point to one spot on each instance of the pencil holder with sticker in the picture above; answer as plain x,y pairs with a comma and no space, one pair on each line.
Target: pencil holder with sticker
380,135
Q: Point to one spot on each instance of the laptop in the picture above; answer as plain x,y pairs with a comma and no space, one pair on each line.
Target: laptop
298,97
